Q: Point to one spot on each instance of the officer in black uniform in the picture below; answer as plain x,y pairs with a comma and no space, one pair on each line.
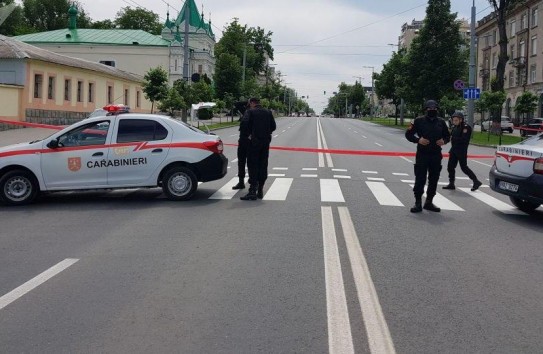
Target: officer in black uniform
259,128
460,135
243,143
430,133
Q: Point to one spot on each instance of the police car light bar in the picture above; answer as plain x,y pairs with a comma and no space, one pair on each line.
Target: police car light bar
116,108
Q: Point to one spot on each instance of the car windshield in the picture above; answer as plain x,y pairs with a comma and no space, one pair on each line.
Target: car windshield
536,140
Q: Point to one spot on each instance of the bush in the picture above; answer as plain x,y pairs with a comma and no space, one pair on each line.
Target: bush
205,114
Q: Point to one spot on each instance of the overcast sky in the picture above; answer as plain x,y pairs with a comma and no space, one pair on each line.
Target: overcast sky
318,43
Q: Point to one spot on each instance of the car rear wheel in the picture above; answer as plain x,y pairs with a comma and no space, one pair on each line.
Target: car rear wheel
524,205
179,183
510,130
18,187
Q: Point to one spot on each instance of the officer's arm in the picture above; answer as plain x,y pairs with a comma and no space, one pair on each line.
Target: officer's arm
446,133
466,135
244,124
410,134
273,126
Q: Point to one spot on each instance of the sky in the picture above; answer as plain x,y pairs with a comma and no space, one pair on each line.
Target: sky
317,43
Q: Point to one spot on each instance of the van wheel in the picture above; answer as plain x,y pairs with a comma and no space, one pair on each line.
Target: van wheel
18,187
510,130
524,205
179,183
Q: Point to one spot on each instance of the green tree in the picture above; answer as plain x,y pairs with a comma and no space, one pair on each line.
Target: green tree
155,85
201,92
227,75
493,101
138,18
105,24
526,104
452,102
172,102
14,24
50,15
389,82
436,58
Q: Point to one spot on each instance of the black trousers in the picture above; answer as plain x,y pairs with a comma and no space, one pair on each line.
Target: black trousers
454,159
427,165
257,161
243,147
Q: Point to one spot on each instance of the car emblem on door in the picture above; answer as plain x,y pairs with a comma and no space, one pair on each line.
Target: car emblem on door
74,164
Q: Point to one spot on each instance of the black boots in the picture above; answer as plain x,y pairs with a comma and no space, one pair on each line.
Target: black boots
428,205
240,185
449,186
260,191
418,205
476,185
251,195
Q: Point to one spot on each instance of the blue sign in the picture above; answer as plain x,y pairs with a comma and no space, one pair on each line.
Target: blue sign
472,93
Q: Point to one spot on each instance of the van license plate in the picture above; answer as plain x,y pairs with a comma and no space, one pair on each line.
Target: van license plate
508,186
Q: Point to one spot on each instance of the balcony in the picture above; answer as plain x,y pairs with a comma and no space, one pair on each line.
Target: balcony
518,62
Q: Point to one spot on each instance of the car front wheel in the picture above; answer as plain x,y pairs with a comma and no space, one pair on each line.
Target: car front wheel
179,183
524,205
18,187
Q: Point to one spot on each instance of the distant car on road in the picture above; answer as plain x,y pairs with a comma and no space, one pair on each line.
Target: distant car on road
506,124
113,152
532,127
518,173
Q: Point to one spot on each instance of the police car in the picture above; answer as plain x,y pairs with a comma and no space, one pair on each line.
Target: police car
518,173
113,151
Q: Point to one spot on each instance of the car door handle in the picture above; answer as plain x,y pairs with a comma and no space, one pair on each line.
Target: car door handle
98,154
157,150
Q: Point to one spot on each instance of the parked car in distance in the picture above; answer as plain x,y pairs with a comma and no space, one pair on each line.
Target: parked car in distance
506,124
532,127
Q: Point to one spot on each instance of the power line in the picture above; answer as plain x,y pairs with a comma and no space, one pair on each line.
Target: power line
338,54
331,46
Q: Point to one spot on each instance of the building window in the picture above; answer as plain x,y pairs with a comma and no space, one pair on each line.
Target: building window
51,88
126,96
67,90
533,45
523,21
108,62
494,60
138,99
494,37
513,28
38,84
176,66
110,94
535,17
200,69
533,74
79,91
522,49
91,92
513,52
511,78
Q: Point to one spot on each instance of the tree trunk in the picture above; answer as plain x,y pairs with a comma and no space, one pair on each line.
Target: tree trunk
502,57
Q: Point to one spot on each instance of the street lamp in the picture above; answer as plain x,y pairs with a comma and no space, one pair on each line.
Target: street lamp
371,103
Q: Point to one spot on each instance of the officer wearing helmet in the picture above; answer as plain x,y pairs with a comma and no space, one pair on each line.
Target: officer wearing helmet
430,133
460,136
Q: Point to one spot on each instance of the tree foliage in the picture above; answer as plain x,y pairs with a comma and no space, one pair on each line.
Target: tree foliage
155,85
138,18
227,75
14,24
49,15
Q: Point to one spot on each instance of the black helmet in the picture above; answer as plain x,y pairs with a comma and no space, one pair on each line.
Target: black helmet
431,104
458,114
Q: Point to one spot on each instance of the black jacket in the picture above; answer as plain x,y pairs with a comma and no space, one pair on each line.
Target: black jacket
433,130
460,136
260,124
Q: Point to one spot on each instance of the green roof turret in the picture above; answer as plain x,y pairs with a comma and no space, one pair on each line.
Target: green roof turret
72,15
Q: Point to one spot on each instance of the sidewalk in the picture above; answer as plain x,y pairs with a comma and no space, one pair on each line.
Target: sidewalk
23,135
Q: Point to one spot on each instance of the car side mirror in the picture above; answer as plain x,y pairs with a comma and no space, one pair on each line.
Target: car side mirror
53,144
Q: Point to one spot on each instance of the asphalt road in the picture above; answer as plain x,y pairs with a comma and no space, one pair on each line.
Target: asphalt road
330,261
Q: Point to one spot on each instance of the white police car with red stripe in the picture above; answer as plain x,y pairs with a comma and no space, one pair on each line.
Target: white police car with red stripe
111,152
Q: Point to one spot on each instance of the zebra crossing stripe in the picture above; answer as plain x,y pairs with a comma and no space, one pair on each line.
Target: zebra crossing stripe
493,202
226,192
443,203
331,191
383,194
279,189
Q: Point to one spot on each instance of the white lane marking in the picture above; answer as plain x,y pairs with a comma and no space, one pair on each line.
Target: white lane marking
383,194
309,176
279,189
331,191
276,175
406,159
309,169
378,144
370,172
365,137
325,146
33,283
339,170
400,174
443,203
234,160
342,177
228,167
380,179
319,144
340,338
226,192
482,163
234,135
283,131
493,202
275,136
280,168
356,132
408,180
462,178
379,338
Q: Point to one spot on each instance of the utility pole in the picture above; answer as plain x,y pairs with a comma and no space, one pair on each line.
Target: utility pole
372,93
186,54
471,83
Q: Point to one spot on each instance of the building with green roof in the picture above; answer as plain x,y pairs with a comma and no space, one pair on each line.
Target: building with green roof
136,51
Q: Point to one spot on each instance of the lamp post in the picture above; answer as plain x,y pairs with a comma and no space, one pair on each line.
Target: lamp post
372,93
